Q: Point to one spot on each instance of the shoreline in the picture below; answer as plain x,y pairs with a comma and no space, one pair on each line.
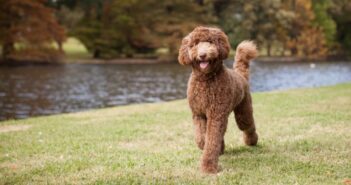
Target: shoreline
163,102
123,61
119,61
126,61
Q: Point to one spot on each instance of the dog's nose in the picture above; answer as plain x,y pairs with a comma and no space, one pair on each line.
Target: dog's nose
202,56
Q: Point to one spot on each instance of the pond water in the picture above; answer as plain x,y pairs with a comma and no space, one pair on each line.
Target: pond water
50,89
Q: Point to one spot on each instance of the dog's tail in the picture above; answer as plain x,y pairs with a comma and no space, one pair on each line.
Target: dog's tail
245,52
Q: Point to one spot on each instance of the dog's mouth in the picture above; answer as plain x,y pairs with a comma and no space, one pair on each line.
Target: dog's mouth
203,64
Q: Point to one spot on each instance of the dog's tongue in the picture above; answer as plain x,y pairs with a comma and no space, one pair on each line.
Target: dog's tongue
203,65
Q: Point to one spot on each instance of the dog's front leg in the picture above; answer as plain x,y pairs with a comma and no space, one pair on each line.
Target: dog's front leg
200,130
213,144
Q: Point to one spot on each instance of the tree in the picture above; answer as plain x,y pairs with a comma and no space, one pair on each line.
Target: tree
340,12
310,43
30,25
282,24
306,39
324,20
264,21
69,18
174,19
123,28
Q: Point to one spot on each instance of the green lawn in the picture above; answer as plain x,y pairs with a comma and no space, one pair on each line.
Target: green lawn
305,138
74,49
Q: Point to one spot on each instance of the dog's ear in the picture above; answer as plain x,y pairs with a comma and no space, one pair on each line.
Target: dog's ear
183,56
223,45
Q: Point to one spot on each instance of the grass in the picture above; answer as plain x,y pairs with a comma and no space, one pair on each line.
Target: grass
74,49
304,139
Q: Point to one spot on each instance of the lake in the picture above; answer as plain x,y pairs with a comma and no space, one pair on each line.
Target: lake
34,90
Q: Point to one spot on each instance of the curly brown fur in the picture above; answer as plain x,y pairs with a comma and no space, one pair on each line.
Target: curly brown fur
215,91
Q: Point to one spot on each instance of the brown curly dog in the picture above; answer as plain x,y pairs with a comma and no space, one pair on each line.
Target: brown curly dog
214,91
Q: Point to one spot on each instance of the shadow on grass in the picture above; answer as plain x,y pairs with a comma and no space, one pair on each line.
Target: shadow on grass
244,157
244,149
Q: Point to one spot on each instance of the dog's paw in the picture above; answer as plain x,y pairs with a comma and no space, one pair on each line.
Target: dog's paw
250,139
210,169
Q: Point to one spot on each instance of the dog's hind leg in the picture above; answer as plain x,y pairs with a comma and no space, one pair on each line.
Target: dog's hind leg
200,130
222,147
245,121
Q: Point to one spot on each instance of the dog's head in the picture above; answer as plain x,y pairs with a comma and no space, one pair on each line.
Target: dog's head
204,48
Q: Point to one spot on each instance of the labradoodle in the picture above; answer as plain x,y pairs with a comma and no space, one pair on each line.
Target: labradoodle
214,91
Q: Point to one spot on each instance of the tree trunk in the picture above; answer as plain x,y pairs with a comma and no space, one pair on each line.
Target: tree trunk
293,51
59,44
96,53
269,48
7,49
282,53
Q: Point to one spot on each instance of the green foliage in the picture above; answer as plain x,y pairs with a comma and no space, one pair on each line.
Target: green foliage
122,28
263,21
139,28
283,23
69,18
324,20
340,12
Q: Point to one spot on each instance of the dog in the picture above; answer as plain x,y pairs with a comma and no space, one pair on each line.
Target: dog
214,91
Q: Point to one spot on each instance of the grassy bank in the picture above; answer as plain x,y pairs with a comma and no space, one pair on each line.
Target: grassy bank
74,49
304,139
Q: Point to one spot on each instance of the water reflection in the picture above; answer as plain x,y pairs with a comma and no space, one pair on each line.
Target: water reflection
40,90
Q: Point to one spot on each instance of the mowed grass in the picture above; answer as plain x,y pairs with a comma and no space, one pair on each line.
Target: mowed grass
74,49
305,138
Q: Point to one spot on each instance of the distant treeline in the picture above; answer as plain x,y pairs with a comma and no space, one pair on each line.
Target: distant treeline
130,28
